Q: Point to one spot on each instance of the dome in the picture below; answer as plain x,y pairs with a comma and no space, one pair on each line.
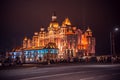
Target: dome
54,24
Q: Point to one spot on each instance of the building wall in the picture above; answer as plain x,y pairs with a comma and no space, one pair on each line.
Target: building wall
71,42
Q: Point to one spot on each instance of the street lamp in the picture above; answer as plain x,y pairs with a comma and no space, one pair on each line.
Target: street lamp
112,41
116,29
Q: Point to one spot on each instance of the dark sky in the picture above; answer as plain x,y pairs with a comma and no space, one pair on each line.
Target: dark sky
20,18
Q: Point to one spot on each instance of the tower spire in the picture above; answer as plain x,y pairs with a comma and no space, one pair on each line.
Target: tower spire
54,17
54,13
66,22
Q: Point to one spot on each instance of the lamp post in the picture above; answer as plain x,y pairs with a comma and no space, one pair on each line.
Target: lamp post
112,41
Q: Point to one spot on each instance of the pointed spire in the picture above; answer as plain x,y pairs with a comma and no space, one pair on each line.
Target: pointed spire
54,17
66,22
54,24
88,30
54,13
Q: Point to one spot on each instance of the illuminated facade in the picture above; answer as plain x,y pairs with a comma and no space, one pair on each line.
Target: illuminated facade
61,40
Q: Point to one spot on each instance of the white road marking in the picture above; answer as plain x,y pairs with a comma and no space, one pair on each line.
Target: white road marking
88,78
62,74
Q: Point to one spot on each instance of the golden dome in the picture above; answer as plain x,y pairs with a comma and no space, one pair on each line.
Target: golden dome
54,24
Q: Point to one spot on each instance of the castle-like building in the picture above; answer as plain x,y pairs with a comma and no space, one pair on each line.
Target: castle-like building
61,41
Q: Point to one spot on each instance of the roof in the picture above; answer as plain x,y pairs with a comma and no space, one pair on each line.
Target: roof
66,22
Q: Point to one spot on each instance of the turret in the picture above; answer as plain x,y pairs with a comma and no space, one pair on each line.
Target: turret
28,43
88,32
42,35
25,42
54,24
35,40
54,17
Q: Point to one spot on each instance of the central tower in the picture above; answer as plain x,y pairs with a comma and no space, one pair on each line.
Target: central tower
54,24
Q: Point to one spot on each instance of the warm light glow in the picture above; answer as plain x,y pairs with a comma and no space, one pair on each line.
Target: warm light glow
63,38
66,22
84,40
54,24
33,47
25,38
42,29
88,30
74,28
36,33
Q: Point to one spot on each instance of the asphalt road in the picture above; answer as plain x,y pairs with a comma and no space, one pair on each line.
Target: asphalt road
74,72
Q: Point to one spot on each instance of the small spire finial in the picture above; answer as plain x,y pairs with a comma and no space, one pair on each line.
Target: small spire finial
88,29
54,13
54,17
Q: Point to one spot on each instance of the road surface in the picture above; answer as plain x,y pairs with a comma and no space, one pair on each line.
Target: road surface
74,72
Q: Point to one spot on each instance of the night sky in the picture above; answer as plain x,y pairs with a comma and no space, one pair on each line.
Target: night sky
22,18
